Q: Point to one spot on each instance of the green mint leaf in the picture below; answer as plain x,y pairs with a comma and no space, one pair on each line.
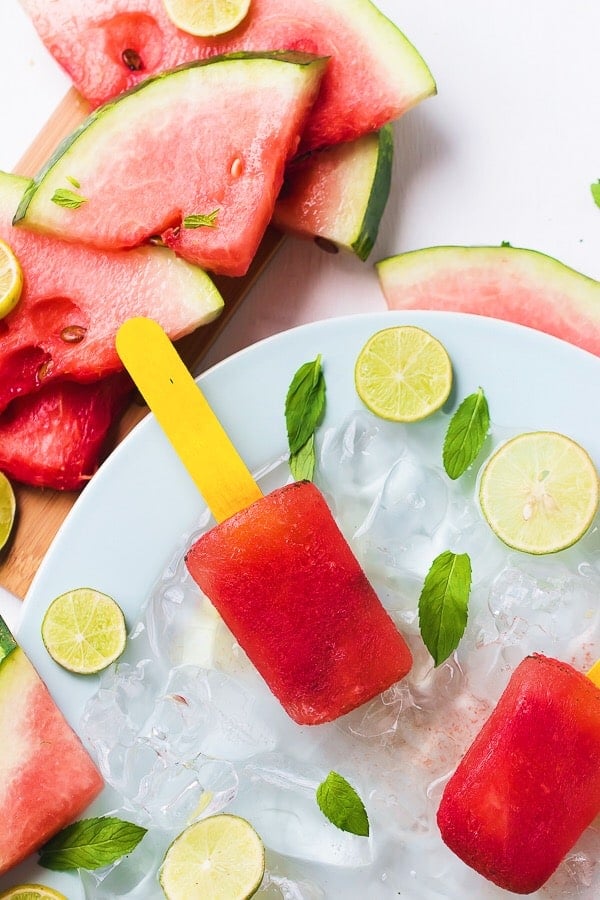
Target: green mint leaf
302,463
90,844
197,221
73,181
7,641
340,803
68,199
443,604
466,433
595,189
506,244
304,404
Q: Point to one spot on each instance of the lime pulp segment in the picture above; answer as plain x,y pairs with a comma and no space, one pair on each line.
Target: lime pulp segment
11,280
206,18
8,507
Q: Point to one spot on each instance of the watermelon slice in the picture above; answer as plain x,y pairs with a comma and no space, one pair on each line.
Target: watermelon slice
518,285
47,778
338,195
56,437
374,76
75,298
176,148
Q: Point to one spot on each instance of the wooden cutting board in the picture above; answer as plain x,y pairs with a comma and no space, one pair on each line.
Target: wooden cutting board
41,512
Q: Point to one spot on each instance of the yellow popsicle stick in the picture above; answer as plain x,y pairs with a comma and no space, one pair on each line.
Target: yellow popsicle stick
594,673
186,418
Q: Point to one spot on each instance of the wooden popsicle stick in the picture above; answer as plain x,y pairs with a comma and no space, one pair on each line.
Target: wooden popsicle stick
186,418
594,673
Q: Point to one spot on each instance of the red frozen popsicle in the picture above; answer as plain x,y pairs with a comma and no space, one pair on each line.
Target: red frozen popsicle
529,785
287,584
277,568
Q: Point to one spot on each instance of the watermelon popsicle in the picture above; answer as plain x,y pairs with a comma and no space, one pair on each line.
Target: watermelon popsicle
529,784
277,568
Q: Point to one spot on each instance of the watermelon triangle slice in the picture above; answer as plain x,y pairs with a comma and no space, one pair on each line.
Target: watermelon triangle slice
519,285
196,154
375,74
57,437
75,298
47,778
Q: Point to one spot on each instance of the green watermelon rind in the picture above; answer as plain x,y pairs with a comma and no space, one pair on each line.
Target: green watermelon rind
554,297
97,115
7,641
380,191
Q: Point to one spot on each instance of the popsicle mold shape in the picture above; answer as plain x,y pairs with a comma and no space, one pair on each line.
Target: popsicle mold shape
286,582
529,785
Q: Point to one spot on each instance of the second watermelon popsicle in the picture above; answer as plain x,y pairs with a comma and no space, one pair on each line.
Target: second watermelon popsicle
287,584
529,785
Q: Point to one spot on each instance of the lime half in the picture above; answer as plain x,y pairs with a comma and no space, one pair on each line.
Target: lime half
11,280
539,492
8,508
206,18
403,374
84,630
221,857
31,892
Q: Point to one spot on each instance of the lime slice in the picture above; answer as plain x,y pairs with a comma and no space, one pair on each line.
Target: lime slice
8,507
206,18
11,280
32,892
539,492
403,374
84,630
221,857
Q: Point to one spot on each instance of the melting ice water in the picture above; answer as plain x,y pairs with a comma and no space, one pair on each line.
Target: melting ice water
183,727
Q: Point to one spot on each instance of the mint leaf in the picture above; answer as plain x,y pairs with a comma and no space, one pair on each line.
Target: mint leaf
340,803
90,844
304,408
302,463
197,221
68,199
466,433
595,189
444,602
7,641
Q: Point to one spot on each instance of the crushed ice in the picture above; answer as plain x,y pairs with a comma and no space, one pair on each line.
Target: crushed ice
183,727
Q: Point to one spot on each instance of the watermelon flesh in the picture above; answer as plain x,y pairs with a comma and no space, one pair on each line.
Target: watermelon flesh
56,438
286,583
374,76
75,298
518,285
177,147
47,779
530,783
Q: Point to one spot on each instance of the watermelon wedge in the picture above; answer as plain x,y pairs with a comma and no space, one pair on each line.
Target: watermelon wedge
522,286
75,298
56,438
338,195
375,74
47,778
174,156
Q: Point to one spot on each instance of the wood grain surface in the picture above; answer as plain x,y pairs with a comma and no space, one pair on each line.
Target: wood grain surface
41,512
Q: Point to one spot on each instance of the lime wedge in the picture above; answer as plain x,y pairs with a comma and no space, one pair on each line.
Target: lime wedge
8,507
84,630
31,892
221,857
539,492
11,280
206,18
403,374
